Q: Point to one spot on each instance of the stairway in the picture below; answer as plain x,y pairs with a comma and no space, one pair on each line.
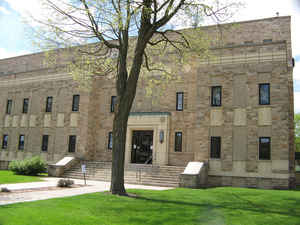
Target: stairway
134,173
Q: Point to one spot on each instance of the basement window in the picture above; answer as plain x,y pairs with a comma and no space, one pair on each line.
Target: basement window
21,142
178,141
5,141
45,140
215,147
72,143
264,148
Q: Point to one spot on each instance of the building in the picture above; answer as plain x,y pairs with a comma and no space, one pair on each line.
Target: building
233,111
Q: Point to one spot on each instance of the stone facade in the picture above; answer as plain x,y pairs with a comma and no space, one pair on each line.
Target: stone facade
251,53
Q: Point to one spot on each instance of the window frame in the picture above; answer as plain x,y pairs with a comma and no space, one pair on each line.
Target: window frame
45,142
113,103
212,96
213,154
260,147
4,142
176,144
25,108
269,93
72,143
49,105
9,106
110,141
21,146
177,101
75,107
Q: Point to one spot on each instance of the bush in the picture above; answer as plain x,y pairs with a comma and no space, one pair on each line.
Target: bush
32,166
65,183
4,189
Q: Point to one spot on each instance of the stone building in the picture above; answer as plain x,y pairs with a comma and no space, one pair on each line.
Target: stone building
233,111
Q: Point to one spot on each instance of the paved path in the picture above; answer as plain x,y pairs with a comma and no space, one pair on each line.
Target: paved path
92,187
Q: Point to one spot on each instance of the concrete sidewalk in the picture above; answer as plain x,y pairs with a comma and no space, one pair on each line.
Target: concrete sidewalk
27,196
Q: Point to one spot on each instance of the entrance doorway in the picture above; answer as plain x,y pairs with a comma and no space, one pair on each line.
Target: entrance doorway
142,146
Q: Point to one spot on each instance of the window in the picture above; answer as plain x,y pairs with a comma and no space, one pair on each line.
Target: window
75,104
216,96
25,105
72,143
110,140
45,140
5,141
49,104
179,101
112,103
215,147
178,141
264,94
8,106
264,148
21,142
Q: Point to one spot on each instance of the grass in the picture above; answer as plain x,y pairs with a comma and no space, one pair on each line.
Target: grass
217,206
8,177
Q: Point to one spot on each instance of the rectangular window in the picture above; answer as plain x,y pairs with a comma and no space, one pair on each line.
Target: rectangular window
264,148
264,94
215,147
178,141
45,140
25,105
75,104
112,103
72,143
49,104
8,106
5,141
21,142
216,96
179,101
110,140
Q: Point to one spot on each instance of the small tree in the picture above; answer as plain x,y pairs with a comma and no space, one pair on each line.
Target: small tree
120,57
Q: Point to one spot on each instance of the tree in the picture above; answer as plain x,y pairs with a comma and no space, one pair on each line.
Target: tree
297,131
122,37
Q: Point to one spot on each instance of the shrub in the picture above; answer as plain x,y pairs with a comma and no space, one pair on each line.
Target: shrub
32,166
4,189
65,183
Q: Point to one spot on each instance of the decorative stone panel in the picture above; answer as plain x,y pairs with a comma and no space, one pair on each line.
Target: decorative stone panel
24,121
7,121
216,117
15,121
47,120
74,120
264,117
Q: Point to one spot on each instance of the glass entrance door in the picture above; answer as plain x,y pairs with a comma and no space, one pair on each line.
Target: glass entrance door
142,144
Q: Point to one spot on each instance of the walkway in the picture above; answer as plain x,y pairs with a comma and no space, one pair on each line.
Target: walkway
28,196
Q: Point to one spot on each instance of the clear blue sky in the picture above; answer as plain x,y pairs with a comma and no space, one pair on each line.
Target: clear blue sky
14,37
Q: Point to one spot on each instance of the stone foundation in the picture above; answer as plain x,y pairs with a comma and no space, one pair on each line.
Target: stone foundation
4,165
248,182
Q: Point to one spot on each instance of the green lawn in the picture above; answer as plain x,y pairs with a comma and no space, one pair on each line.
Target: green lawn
217,206
8,177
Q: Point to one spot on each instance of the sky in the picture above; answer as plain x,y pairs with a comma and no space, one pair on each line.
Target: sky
14,38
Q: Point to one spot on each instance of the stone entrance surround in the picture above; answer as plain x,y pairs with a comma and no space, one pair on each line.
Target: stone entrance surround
156,121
